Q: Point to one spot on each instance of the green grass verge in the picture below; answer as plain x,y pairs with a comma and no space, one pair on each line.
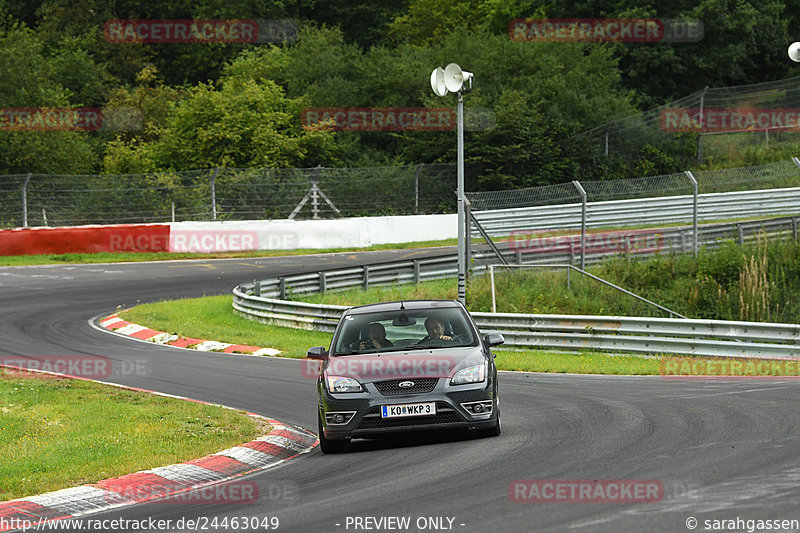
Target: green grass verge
213,318
57,433
130,257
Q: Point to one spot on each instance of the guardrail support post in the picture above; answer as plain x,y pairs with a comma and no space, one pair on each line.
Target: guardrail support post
416,272
366,277
323,282
519,257
740,230
582,192
694,212
491,281
794,229
256,288
281,288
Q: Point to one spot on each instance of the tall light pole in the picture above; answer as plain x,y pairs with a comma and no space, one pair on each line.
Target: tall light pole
453,79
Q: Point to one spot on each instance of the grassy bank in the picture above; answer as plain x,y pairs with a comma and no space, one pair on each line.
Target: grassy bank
752,283
130,257
213,318
57,433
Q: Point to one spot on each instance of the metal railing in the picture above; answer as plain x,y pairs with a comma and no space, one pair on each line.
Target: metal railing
717,338
265,300
543,248
643,211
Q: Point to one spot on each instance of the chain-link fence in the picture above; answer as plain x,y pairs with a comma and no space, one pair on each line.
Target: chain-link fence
783,174
707,124
226,194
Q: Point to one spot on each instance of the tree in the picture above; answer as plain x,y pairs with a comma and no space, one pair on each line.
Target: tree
28,82
241,123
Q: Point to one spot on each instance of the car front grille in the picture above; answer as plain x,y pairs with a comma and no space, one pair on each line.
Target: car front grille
445,414
420,385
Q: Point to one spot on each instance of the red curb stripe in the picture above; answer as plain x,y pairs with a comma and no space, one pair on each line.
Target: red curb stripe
241,348
184,342
140,487
25,510
270,449
291,435
120,324
145,334
221,464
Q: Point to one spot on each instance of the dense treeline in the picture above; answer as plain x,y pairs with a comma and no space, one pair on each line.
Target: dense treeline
239,105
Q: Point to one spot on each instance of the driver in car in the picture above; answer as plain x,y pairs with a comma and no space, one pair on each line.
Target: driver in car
377,337
435,331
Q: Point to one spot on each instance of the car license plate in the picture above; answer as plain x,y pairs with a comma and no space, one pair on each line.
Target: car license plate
408,409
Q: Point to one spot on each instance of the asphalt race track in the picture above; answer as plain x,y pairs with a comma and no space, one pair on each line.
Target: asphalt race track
721,449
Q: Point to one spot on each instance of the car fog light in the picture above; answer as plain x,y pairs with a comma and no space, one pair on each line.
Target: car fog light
478,408
339,418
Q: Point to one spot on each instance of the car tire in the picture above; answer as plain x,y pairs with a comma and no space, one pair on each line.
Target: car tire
493,431
330,445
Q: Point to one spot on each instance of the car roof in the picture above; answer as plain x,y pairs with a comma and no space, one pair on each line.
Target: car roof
409,305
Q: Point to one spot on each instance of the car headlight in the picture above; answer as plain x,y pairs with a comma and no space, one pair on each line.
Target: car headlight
472,374
343,384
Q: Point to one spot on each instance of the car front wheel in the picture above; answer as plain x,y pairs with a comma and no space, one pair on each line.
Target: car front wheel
330,445
493,431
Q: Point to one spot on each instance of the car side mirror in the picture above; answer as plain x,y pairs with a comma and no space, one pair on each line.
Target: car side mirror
493,339
317,352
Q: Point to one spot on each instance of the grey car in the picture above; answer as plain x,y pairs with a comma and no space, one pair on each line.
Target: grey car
394,367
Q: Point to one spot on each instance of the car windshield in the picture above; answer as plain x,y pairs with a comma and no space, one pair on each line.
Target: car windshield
403,330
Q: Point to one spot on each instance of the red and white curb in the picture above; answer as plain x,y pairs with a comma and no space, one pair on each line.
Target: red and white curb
282,443
117,325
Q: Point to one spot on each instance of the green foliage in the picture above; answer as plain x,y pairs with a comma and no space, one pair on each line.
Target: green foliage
243,123
376,54
30,80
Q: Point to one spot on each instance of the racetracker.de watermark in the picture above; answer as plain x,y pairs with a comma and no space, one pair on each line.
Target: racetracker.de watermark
80,366
382,367
394,119
651,30
729,368
70,119
626,241
201,31
586,491
232,492
721,120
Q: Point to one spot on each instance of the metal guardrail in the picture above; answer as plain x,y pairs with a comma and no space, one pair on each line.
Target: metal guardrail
540,248
717,338
643,211
265,300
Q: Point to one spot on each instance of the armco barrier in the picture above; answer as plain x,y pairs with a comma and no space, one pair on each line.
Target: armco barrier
257,300
643,211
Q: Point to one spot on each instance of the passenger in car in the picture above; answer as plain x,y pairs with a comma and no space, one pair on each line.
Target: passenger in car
435,331
377,337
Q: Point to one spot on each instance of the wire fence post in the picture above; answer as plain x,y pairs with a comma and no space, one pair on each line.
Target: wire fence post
25,201
416,189
695,240
214,194
578,186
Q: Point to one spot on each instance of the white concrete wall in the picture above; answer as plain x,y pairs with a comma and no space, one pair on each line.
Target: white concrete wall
314,234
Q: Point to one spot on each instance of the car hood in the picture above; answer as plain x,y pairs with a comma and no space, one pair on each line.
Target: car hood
432,363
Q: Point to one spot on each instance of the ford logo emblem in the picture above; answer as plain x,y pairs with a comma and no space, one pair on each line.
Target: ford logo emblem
406,384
